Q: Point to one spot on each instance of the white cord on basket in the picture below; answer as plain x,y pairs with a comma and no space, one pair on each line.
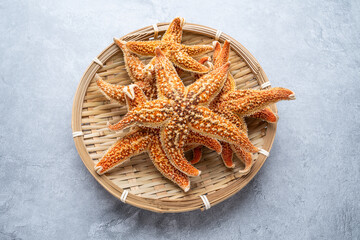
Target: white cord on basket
124,196
265,85
217,35
77,134
206,201
156,30
96,60
264,152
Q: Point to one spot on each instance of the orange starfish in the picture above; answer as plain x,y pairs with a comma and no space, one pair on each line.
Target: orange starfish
180,54
138,74
265,114
234,105
180,109
144,139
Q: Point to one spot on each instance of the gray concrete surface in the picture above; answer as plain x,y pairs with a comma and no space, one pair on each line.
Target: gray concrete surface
308,189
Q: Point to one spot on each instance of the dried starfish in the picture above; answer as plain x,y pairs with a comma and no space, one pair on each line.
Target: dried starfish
265,114
137,72
234,105
144,139
180,109
180,54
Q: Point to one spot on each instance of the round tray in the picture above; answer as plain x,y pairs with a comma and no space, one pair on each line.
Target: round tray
146,187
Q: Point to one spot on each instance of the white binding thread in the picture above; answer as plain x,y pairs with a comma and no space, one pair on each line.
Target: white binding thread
264,152
96,60
129,91
265,85
156,30
206,202
124,196
217,35
77,134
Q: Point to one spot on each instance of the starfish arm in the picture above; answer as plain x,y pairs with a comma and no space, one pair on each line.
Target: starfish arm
189,147
143,48
149,70
223,56
227,152
266,114
128,146
174,31
208,123
247,102
229,85
227,155
203,60
164,166
111,91
149,89
184,61
196,50
208,86
197,153
150,114
245,157
220,58
217,49
208,142
235,119
172,140
134,96
134,66
168,82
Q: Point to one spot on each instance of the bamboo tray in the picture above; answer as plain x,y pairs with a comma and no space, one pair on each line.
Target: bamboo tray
137,181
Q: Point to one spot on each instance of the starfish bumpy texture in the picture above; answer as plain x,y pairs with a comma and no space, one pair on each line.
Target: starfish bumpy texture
144,139
234,105
180,109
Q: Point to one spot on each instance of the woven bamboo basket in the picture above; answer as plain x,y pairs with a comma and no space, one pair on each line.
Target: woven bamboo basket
137,181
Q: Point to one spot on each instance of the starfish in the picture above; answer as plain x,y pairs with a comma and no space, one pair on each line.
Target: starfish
265,114
144,139
137,73
179,110
234,105
180,54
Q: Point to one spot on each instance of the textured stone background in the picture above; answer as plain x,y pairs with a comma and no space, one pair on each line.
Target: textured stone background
309,187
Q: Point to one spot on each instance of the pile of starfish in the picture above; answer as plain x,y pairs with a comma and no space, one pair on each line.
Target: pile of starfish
168,118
